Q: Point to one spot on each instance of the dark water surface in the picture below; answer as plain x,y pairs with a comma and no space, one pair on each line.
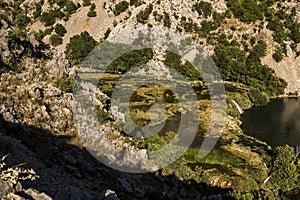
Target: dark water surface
277,123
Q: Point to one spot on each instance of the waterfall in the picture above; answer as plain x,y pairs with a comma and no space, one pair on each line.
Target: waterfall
238,106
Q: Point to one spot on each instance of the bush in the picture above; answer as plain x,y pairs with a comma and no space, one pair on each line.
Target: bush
257,51
121,7
48,18
246,10
295,33
38,10
22,20
86,2
130,60
93,7
284,175
60,30
65,84
167,21
136,3
187,70
79,47
106,34
278,55
92,13
70,7
142,16
234,66
203,8
277,27
102,116
55,40
258,98
39,36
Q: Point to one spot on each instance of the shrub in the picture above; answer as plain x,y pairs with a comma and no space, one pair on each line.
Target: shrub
258,98
277,27
86,2
278,55
93,7
121,7
167,21
130,60
48,18
65,84
22,20
142,16
136,3
106,34
246,10
102,116
38,10
203,8
79,47
55,40
257,51
284,175
295,33
92,13
60,30
187,70
70,7
41,34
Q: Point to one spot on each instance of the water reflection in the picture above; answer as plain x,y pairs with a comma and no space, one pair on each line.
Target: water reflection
278,123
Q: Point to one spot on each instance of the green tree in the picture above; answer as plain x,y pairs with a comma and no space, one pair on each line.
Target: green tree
142,16
70,7
92,13
121,7
55,40
246,10
203,8
86,2
278,55
136,3
60,30
79,47
49,17
284,174
22,20
65,84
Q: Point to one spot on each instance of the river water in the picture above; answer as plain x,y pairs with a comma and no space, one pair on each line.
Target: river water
277,123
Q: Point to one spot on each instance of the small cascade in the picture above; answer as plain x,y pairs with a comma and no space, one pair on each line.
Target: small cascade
238,107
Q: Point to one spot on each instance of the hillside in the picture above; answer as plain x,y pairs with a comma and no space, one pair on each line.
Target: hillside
44,65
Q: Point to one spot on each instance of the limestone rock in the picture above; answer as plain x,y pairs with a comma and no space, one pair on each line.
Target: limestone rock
58,65
37,195
6,188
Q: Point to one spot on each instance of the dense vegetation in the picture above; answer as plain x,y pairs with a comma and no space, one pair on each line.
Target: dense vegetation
92,12
60,30
64,10
203,8
246,11
187,69
79,47
235,65
55,40
238,61
121,7
65,83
